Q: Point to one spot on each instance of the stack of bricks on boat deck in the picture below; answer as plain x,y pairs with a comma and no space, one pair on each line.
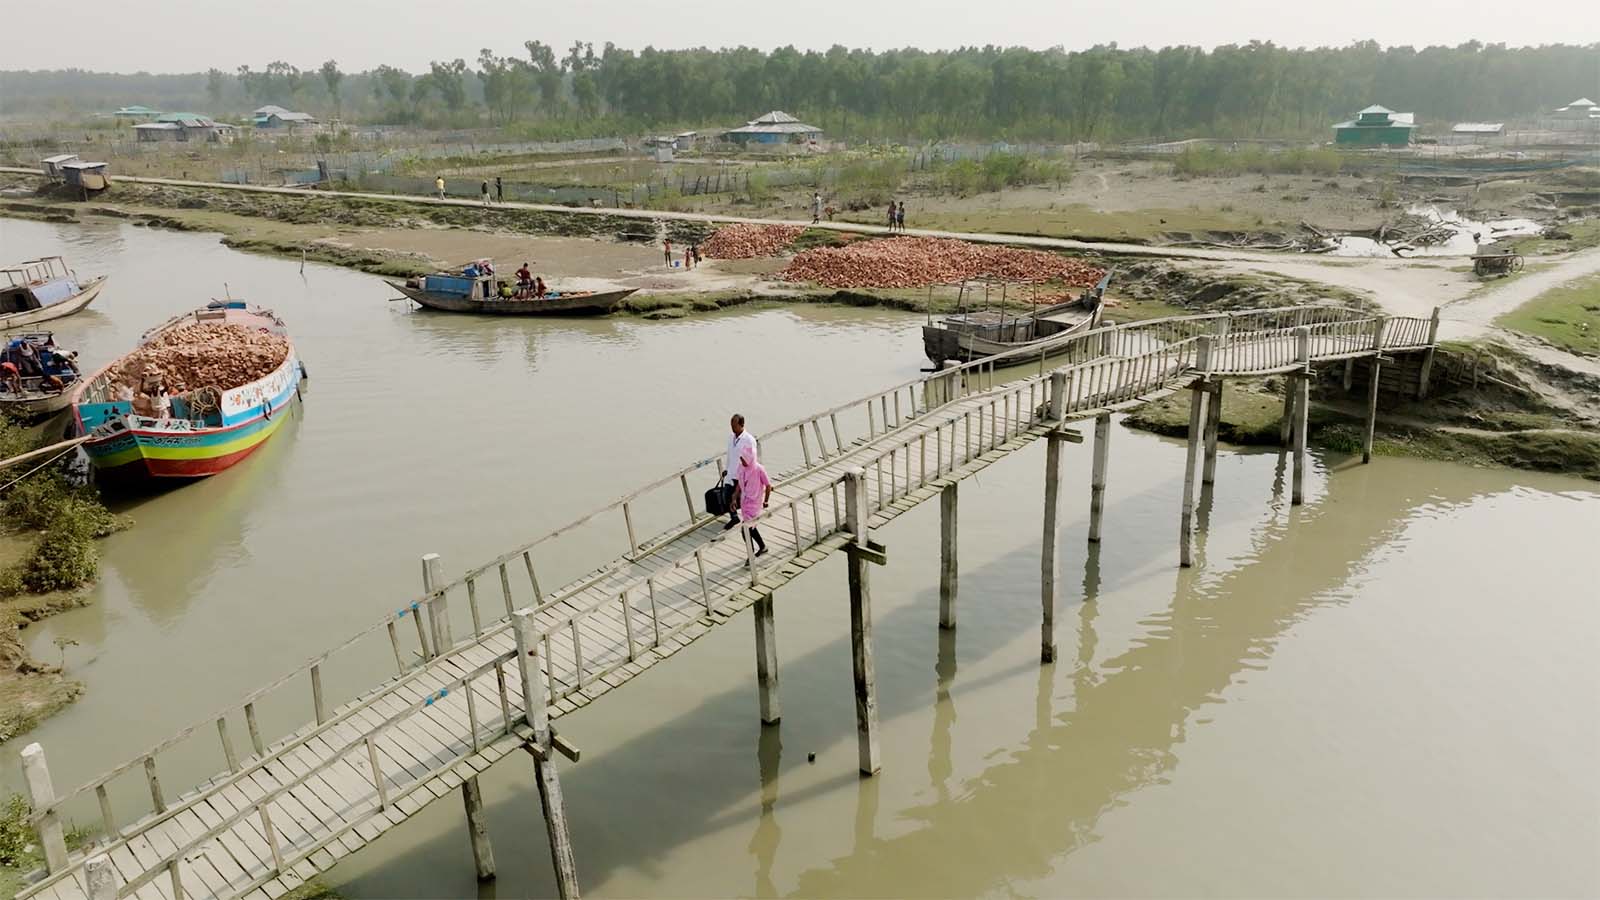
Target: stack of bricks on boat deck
205,355
913,262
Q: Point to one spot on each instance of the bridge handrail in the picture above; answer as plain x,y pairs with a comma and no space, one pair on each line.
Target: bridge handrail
1180,328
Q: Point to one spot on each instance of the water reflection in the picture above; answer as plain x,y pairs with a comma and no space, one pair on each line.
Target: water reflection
767,835
184,533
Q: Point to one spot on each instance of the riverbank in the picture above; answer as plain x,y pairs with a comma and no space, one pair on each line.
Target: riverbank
1501,422
581,249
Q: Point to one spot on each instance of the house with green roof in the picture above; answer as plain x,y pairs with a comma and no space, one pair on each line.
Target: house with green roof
1376,126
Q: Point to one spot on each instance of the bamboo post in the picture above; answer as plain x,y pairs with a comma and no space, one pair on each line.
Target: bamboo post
866,690
438,607
478,827
948,565
1097,483
767,659
1049,562
41,795
1198,395
1378,326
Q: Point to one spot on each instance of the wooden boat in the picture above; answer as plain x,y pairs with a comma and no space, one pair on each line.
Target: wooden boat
478,293
204,434
967,336
43,289
42,395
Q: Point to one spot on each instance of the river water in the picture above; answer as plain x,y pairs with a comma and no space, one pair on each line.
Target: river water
1390,691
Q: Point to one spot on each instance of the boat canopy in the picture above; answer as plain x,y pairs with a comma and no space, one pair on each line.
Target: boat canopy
35,272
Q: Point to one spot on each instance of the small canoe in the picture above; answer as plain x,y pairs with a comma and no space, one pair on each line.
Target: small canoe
192,442
43,289
480,296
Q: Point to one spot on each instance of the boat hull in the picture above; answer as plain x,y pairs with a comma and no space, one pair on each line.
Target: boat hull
943,344
134,456
55,310
31,406
597,304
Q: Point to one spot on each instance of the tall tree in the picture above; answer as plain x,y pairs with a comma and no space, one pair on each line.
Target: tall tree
331,76
214,86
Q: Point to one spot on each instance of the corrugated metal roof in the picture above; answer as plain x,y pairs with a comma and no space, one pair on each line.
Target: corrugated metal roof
84,165
782,128
269,109
1375,108
158,126
60,158
1478,127
776,117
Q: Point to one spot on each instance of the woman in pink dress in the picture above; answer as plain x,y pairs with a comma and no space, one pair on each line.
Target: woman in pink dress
755,492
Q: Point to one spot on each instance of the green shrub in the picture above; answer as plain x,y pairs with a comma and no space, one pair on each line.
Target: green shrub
65,556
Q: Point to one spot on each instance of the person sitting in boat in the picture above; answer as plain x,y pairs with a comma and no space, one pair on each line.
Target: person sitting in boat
505,290
539,289
10,378
28,359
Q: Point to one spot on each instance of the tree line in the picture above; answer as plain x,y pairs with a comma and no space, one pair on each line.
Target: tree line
1102,93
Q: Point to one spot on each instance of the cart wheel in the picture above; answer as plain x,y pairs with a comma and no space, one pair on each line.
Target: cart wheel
1516,264
1477,267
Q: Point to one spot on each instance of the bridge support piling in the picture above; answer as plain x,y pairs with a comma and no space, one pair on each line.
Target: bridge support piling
101,877
1199,424
41,794
1198,397
856,512
536,687
1213,425
1302,411
1372,411
471,795
1097,480
478,829
1427,356
767,660
1286,424
1049,561
438,607
948,565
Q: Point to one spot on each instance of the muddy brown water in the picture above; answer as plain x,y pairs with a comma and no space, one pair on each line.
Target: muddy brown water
1391,691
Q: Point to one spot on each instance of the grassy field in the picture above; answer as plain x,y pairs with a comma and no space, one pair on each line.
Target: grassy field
1568,316
1585,234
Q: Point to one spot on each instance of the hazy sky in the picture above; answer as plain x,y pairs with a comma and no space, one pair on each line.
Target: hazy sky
190,35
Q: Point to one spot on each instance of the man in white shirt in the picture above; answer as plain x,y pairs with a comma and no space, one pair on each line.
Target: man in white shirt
731,464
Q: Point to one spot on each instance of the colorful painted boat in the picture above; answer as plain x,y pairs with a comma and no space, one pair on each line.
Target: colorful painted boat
43,289
190,443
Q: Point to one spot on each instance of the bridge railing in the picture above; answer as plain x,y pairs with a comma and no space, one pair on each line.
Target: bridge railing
1106,364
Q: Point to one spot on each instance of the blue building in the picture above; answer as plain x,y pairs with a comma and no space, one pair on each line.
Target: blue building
776,127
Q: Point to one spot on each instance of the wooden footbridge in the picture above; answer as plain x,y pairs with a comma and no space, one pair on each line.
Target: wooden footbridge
484,664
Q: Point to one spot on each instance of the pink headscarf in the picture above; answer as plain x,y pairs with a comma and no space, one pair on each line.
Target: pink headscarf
753,483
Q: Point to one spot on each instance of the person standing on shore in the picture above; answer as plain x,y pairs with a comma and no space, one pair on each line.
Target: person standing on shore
666,250
484,191
891,215
499,190
900,217
738,441
816,207
438,186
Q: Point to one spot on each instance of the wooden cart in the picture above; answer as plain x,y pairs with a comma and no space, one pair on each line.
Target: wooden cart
1496,263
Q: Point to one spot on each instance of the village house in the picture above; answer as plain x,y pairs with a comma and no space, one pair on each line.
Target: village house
776,127
1376,126
183,126
276,117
